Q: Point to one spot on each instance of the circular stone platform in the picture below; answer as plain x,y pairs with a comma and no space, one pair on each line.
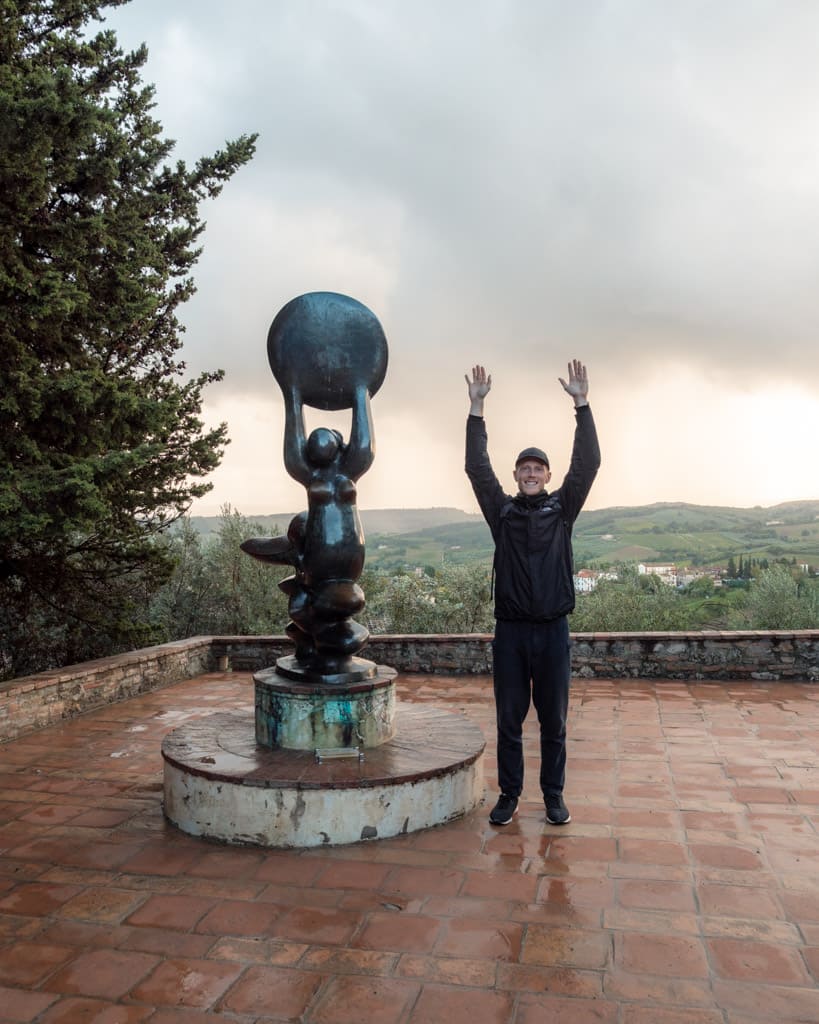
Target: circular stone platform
220,783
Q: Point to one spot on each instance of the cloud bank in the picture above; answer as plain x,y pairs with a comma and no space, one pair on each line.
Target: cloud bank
633,183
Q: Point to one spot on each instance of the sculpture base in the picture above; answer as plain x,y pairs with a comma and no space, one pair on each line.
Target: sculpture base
219,783
350,670
304,715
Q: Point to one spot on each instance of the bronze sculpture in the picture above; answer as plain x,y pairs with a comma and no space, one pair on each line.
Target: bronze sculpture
327,351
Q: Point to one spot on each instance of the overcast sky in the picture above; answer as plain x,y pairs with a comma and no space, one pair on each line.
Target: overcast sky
632,183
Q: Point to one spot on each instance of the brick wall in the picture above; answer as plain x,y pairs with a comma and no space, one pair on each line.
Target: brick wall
33,702
745,656
751,655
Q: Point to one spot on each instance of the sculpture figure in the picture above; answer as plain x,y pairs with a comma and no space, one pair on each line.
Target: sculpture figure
329,351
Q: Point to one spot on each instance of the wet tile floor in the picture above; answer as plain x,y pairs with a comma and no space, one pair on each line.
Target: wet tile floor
684,891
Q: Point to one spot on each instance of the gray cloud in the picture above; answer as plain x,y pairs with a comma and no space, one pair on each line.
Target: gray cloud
632,182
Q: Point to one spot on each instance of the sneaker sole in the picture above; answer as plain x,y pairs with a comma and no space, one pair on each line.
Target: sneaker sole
565,821
507,821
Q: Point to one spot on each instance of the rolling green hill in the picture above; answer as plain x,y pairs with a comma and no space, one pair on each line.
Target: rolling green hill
664,532
375,521
699,534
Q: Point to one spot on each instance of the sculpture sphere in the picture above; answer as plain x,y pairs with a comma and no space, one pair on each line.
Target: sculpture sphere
325,345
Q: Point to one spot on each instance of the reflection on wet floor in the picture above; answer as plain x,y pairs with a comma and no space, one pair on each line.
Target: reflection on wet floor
685,887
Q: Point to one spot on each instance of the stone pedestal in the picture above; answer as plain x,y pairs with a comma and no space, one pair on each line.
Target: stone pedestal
296,714
322,762
221,783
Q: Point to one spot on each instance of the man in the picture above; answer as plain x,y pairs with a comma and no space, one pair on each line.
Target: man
534,591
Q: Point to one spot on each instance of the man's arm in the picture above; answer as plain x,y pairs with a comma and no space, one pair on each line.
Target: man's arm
485,484
578,384
479,387
586,450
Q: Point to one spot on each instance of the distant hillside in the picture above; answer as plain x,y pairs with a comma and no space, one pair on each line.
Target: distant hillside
668,531
699,534
381,521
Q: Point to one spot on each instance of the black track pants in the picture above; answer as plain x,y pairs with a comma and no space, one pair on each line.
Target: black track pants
532,663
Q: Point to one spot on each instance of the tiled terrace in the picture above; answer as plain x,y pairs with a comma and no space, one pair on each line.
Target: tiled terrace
685,890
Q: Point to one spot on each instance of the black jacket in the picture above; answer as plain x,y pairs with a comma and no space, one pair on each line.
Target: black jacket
533,536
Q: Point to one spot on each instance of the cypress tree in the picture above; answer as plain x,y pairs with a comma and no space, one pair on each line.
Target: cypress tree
101,440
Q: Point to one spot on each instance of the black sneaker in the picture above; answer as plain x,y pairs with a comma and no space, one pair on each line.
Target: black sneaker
557,813
504,810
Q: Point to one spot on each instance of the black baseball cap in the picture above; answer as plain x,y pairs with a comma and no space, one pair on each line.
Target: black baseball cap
532,453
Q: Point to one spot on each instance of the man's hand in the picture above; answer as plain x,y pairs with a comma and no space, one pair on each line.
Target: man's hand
578,383
479,388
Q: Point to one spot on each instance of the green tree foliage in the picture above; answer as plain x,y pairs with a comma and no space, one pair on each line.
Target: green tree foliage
455,600
709,606
181,607
462,599
631,603
101,441
403,603
215,587
776,599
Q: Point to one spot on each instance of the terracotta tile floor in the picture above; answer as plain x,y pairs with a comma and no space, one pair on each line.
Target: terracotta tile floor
685,890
